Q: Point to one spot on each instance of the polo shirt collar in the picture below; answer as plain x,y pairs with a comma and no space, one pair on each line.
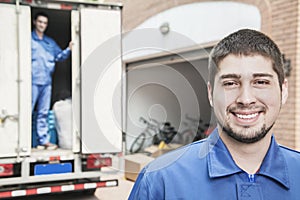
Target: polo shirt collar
34,35
220,162
274,165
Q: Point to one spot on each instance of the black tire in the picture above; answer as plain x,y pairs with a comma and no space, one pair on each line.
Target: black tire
89,192
200,135
138,143
156,140
177,138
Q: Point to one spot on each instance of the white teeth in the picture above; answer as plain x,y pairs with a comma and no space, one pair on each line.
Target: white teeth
247,116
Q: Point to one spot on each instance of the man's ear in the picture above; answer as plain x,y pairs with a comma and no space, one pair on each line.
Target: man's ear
209,93
284,92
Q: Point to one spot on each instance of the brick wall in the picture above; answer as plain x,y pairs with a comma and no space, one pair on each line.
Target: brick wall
284,32
297,83
279,20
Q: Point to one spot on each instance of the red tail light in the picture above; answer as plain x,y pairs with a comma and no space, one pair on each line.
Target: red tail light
95,161
6,169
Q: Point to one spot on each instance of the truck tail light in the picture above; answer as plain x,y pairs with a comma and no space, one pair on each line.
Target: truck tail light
95,161
6,169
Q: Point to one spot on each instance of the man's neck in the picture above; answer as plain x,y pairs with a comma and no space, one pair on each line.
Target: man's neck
248,157
39,34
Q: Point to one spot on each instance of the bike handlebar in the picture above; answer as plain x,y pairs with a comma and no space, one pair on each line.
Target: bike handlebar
195,120
157,126
147,122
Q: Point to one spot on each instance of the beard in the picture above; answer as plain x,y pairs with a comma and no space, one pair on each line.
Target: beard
246,135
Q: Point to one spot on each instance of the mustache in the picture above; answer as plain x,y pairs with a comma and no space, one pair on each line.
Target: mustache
240,107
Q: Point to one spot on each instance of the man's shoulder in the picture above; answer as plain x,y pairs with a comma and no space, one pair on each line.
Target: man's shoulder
182,155
290,153
48,39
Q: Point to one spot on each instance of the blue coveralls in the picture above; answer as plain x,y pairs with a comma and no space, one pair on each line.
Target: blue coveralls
205,170
44,53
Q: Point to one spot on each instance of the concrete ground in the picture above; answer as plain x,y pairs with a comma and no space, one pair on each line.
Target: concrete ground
115,193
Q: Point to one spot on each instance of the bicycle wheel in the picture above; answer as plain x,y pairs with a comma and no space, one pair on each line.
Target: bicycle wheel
177,138
187,136
138,143
156,139
200,135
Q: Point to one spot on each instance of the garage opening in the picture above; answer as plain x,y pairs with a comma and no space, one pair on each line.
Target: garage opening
168,88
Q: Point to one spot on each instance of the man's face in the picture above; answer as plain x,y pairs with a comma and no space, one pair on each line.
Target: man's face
246,97
41,24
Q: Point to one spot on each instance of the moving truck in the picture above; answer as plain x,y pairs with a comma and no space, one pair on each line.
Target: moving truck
93,75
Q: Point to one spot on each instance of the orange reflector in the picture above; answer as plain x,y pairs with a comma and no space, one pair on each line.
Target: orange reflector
54,158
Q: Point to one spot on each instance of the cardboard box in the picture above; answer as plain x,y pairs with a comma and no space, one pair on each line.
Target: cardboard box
134,164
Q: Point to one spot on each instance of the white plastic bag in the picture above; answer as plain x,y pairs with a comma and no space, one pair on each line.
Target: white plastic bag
63,115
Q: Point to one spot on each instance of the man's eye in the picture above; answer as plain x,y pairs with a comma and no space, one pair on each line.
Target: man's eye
230,83
262,82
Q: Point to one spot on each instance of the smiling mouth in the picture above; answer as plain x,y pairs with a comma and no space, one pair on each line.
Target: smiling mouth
247,116
246,113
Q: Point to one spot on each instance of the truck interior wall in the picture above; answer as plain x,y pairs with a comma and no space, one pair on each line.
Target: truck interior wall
59,28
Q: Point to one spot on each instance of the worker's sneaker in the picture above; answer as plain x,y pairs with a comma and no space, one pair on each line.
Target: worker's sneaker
48,146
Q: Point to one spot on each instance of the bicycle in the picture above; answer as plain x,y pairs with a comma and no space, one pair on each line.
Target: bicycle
158,131
196,130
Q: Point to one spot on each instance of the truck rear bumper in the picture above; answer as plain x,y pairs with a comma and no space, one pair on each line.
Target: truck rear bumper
56,187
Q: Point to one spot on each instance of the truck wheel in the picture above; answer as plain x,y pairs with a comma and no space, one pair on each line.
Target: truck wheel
89,191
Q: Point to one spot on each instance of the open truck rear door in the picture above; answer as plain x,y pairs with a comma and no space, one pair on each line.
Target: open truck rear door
15,81
101,74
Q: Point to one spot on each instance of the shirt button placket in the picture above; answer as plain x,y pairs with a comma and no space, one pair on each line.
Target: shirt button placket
249,191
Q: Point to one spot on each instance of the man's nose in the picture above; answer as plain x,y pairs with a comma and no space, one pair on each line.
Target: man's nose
246,95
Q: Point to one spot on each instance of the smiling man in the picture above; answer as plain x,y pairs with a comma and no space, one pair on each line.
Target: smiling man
241,158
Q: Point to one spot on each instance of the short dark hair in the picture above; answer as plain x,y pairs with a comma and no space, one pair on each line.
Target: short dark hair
40,14
246,42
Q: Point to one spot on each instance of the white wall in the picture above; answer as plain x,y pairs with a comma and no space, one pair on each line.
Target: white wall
198,22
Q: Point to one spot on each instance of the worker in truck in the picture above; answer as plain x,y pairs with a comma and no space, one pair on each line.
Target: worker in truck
241,158
44,53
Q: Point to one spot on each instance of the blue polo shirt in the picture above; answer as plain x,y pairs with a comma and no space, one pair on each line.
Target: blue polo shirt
205,170
44,53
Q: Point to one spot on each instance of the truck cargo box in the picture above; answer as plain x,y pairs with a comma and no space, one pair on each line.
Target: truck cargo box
92,75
